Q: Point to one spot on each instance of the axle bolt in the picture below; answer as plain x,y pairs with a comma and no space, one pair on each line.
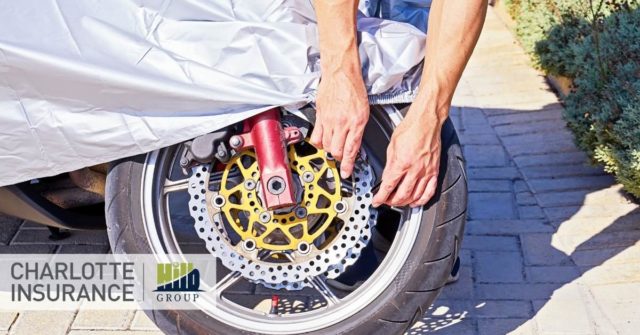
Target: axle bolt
235,141
329,156
307,177
276,185
265,217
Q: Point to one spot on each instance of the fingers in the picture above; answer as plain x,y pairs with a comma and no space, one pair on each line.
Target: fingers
316,135
389,182
337,143
351,146
429,191
403,194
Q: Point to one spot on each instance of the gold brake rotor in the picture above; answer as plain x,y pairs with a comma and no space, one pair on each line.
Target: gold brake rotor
287,229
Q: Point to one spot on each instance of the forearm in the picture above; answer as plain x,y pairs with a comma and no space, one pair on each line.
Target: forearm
337,36
454,28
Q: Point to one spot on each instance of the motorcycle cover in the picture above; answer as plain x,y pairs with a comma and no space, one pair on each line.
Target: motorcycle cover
91,81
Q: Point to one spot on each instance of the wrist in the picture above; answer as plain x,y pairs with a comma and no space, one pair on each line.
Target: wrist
429,112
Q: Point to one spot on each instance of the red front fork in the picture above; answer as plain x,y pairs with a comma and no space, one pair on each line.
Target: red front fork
264,133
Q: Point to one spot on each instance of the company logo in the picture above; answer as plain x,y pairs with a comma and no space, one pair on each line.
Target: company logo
177,277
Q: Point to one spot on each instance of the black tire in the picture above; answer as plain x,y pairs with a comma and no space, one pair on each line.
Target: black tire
404,302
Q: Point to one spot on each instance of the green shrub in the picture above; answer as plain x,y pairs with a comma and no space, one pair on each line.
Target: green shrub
604,109
596,43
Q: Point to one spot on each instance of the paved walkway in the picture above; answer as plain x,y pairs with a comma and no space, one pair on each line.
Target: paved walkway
551,244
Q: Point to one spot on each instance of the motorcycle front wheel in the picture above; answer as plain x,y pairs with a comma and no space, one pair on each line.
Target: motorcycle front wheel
147,213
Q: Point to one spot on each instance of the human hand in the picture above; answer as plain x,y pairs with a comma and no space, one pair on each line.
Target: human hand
342,111
410,176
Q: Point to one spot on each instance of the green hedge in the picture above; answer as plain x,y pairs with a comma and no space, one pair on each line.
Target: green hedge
597,44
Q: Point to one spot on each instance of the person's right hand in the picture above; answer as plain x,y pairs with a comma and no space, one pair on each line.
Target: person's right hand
342,111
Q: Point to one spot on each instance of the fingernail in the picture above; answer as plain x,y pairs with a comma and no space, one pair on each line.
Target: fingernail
375,204
344,174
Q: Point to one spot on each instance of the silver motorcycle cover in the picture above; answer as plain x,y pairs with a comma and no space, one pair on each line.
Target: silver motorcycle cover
90,81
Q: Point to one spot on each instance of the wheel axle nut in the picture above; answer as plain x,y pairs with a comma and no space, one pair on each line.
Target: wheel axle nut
265,217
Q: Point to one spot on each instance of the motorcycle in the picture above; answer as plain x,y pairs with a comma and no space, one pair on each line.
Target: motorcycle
297,248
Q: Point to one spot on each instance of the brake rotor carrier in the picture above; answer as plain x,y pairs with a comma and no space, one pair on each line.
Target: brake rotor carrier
321,235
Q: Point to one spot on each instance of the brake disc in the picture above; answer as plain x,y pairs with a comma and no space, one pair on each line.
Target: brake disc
321,235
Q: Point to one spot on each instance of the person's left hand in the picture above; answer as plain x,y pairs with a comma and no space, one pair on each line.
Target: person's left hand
410,176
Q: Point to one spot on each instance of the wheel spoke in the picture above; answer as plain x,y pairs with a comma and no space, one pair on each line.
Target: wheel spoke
324,290
175,186
183,184
226,282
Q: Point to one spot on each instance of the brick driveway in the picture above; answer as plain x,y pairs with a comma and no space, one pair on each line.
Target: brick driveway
551,244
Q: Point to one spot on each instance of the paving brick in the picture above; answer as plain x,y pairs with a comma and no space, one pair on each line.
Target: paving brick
557,171
573,198
83,249
42,322
545,126
491,206
530,212
103,319
470,138
498,267
489,185
505,326
461,289
506,227
553,113
491,243
493,173
34,236
28,249
10,226
570,183
619,255
550,159
515,291
502,309
525,198
537,148
443,327
551,274
485,155
520,186
533,138
537,250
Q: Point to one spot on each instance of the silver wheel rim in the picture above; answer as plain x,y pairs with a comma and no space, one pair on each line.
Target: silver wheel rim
246,319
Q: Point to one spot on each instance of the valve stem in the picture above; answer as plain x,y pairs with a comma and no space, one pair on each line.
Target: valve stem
274,304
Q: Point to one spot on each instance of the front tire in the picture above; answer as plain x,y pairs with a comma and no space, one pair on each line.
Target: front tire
425,270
